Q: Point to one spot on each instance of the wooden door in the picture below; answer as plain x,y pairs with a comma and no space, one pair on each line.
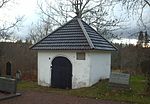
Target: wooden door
61,76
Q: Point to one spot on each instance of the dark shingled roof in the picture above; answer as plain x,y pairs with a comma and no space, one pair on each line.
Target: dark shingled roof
74,35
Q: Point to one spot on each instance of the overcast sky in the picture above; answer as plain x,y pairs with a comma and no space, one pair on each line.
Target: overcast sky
29,9
19,8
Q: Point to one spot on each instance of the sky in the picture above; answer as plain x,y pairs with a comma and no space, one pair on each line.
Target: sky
18,8
29,9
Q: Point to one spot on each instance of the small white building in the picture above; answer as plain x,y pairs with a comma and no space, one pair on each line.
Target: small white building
73,56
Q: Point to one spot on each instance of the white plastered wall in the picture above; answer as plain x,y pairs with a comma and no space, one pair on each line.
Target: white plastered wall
86,72
80,68
100,65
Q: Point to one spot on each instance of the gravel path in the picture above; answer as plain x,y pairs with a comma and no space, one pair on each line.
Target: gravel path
51,98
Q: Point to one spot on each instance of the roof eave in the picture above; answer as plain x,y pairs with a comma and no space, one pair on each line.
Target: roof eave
80,49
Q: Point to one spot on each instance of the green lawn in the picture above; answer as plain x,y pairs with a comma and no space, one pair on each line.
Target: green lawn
100,91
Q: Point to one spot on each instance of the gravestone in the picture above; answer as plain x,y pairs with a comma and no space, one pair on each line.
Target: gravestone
8,85
119,80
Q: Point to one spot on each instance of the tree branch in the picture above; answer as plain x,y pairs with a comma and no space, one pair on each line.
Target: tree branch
45,13
148,3
3,2
12,25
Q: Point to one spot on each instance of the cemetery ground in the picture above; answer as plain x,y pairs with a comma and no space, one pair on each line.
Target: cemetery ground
100,93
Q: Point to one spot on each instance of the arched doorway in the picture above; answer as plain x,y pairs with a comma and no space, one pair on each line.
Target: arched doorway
61,75
8,69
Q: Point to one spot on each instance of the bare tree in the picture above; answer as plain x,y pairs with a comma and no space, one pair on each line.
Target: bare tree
38,31
6,30
135,7
135,4
92,11
3,3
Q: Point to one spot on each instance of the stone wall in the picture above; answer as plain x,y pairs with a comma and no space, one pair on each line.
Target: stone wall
20,57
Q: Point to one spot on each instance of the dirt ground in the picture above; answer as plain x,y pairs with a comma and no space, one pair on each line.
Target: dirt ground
32,97
3,94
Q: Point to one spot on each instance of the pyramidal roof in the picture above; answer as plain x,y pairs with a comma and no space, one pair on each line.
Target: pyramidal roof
74,35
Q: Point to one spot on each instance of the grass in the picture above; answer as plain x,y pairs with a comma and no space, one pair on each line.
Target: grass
100,91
